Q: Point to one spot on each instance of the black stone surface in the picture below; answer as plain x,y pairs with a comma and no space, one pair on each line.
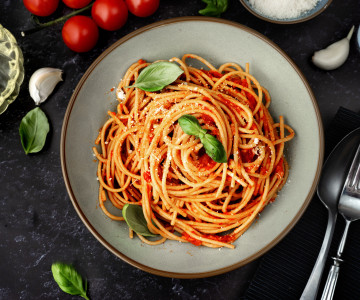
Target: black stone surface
38,224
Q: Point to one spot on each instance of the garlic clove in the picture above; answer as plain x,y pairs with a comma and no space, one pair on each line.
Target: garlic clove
43,82
334,55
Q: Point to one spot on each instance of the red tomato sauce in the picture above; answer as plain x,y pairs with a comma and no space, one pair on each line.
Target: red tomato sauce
147,176
207,119
265,168
231,105
247,155
266,123
252,101
228,238
190,239
206,162
279,169
207,99
213,74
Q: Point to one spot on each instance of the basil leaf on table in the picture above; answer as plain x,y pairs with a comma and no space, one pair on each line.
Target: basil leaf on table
33,130
214,8
69,280
134,217
157,75
213,147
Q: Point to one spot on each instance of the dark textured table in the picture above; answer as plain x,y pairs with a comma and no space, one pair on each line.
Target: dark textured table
38,224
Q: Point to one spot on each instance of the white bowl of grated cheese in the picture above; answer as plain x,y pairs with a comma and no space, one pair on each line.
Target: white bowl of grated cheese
286,11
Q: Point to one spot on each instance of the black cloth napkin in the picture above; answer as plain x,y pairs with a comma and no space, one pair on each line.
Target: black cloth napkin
283,272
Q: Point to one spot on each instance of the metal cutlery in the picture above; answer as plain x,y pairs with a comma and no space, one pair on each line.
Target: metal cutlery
329,189
349,208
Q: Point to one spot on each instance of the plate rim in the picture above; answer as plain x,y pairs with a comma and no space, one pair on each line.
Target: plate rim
85,220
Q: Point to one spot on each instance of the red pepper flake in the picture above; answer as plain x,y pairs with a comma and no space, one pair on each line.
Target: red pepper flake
141,61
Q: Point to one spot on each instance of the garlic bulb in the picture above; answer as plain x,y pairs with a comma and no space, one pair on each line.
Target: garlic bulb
334,55
43,82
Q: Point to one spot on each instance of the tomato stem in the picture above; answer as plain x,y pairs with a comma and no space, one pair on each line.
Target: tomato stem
53,22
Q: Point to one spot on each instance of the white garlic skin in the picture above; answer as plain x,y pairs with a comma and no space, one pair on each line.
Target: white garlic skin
43,82
334,55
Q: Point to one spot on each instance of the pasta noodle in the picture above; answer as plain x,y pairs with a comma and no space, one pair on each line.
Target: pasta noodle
146,159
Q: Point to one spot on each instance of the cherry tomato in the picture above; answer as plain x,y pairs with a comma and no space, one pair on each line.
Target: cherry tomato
110,14
80,33
142,8
41,8
76,3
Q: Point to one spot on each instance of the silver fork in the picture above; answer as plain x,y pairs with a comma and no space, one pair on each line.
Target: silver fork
349,208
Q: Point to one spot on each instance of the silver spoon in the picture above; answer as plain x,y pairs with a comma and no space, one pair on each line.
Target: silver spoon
329,189
349,208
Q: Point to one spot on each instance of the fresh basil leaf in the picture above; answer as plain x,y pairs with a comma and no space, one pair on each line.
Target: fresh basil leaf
69,280
157,75
214,148
190,125
214,8
134,217
33,130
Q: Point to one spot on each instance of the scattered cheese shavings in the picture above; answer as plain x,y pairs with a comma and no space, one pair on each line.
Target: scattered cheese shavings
120,94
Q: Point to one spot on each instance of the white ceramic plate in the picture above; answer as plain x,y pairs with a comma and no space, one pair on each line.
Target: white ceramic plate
218,41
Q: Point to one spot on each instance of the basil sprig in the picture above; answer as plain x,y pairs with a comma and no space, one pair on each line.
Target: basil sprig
69,280
213,147
214,8
157,75
134,217
33,130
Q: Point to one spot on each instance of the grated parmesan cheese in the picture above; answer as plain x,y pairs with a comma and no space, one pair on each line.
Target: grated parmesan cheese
120,94
283,9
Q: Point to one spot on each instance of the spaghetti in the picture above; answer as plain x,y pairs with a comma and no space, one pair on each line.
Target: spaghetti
146,159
